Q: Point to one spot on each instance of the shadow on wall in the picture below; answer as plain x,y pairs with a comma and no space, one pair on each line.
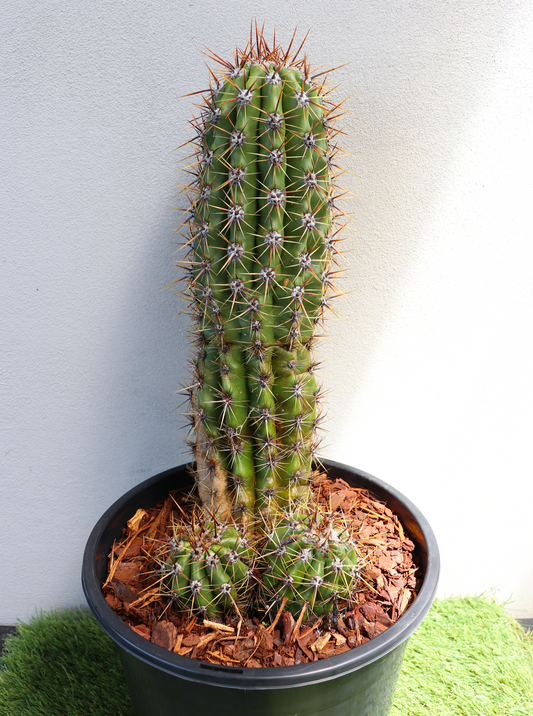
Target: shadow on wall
417,75
144,428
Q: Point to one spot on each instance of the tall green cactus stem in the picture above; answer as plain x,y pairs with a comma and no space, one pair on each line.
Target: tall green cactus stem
261,249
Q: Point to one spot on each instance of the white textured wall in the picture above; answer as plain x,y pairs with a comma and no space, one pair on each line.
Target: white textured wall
430,366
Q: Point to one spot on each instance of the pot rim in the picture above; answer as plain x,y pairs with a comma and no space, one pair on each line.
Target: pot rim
268,677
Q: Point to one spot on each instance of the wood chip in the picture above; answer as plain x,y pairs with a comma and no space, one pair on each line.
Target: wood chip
113,601
404,600
265,639
386,563
205,640
309,634
340,640
218,626
222,657
321,642
164,634
142,630
336,498
147,598
160,519
370,611
288,626
191,640
304,648
135,521
373,629
278,615
396,556
253,663
378,507
296,628
400,531
191,624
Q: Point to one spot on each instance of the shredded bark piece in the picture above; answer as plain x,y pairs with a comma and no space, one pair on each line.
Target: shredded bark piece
305,650
165,634
288,626
321,642
205,640
296,628
141,629
265,638
280,611
135,521
219,627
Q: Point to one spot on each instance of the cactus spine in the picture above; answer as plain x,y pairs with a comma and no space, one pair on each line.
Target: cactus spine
260,244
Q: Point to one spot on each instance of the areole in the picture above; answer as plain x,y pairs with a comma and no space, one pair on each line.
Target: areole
360,681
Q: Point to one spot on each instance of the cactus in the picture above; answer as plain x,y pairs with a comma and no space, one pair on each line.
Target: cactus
308,558
208,566
261,257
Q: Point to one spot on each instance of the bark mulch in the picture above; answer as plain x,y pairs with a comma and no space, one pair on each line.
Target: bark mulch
388,585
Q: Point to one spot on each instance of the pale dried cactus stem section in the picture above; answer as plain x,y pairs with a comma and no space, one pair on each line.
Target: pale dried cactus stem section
212,482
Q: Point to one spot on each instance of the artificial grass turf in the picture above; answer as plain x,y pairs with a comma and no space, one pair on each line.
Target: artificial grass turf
468,658
62,664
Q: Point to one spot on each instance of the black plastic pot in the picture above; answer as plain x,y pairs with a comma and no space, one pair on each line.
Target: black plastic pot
356,683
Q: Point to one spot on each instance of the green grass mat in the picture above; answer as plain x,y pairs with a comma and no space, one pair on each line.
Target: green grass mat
62,664
469,658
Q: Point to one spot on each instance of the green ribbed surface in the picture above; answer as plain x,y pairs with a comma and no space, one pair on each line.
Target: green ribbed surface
210,568
261,239
308,559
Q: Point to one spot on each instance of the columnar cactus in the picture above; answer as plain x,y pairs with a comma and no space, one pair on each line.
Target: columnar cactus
261,242
261,237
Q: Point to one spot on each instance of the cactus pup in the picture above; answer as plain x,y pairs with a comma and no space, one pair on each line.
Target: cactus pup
260,260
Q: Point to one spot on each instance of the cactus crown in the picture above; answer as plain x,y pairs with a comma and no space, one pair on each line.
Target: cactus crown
260,239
